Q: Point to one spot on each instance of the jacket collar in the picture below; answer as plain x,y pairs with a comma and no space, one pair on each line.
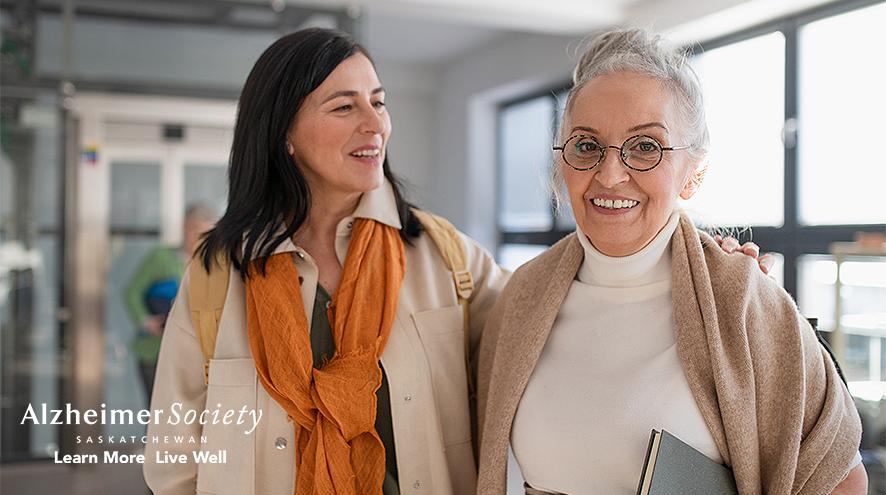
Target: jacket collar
379,204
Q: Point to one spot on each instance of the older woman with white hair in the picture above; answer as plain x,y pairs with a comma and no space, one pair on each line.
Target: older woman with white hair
637,321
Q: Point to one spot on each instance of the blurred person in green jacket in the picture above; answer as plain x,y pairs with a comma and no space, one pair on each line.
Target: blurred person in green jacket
153,287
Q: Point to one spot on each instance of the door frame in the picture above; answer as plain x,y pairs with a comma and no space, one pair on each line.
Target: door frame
95,152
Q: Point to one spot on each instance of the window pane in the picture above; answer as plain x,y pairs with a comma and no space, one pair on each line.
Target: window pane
861,359
32,356
745,116
841,107
863,309
206,184
42,121
511,256
816,276
135,195
777,270
123,386
526,137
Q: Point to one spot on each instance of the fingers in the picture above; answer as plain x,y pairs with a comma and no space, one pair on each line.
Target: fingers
767,261
728,244
731,245
750,249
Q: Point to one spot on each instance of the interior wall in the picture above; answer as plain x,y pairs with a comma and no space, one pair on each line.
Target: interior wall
470,90
411,92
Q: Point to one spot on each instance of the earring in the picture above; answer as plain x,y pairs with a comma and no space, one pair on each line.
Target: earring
290,148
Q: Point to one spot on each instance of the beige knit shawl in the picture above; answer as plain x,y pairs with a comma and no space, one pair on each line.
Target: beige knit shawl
767,390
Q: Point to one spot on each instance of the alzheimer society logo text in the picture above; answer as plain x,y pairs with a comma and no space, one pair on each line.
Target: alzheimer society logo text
176,415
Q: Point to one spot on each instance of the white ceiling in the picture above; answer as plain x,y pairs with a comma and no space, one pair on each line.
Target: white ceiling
414,40
547,16
433,31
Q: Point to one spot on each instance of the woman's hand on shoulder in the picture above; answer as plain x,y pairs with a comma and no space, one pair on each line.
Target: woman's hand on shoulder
731,245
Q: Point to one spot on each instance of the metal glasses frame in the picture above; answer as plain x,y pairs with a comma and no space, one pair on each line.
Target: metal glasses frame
621,152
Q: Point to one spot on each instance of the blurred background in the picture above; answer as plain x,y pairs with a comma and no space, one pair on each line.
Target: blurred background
117,116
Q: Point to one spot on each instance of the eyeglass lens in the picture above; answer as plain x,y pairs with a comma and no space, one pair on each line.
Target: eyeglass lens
639,152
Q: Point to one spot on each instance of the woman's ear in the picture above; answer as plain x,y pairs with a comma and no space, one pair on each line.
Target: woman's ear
694,181
290,148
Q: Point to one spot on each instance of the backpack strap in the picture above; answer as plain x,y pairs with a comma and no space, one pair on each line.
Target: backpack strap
206,299
449,243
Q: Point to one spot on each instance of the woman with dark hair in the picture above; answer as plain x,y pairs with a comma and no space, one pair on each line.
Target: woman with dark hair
341,325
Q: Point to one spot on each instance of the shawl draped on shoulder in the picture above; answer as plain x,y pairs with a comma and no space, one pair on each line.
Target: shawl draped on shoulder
769,393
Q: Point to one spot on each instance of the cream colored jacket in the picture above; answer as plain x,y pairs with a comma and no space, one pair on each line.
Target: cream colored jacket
423,360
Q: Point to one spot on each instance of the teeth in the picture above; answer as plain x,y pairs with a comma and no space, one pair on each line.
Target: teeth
373,152
615,205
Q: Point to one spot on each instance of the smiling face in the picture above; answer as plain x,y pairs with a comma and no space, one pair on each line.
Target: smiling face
622,210
339,134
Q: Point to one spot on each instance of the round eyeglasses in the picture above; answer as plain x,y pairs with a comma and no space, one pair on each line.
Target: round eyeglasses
640,153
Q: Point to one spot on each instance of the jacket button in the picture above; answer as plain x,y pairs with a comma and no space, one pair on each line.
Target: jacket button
280,443
417,484
350,225
300,254
407,398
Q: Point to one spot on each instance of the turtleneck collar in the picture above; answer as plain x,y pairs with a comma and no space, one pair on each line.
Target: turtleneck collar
649,265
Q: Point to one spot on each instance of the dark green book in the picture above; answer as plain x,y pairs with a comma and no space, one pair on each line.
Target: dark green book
673,467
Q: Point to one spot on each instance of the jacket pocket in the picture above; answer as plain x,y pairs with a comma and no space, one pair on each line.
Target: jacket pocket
232,387
442,336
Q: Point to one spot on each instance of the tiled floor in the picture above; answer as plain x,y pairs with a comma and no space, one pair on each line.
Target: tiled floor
48,478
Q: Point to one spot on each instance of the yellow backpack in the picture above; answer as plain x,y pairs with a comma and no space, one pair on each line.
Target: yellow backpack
207,290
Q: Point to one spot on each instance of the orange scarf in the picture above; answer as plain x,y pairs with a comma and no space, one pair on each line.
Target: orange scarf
333,409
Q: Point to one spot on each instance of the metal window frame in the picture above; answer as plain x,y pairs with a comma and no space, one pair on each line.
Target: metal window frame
505,236
792,239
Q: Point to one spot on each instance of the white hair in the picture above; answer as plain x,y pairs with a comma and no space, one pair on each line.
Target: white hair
200,212
639,50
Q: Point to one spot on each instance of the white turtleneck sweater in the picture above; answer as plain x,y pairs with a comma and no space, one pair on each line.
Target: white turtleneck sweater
608,375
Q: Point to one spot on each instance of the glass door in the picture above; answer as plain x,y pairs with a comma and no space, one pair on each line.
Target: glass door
32,316
143,162
152,187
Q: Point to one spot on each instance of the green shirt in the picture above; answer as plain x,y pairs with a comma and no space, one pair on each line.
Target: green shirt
162,263
323,348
